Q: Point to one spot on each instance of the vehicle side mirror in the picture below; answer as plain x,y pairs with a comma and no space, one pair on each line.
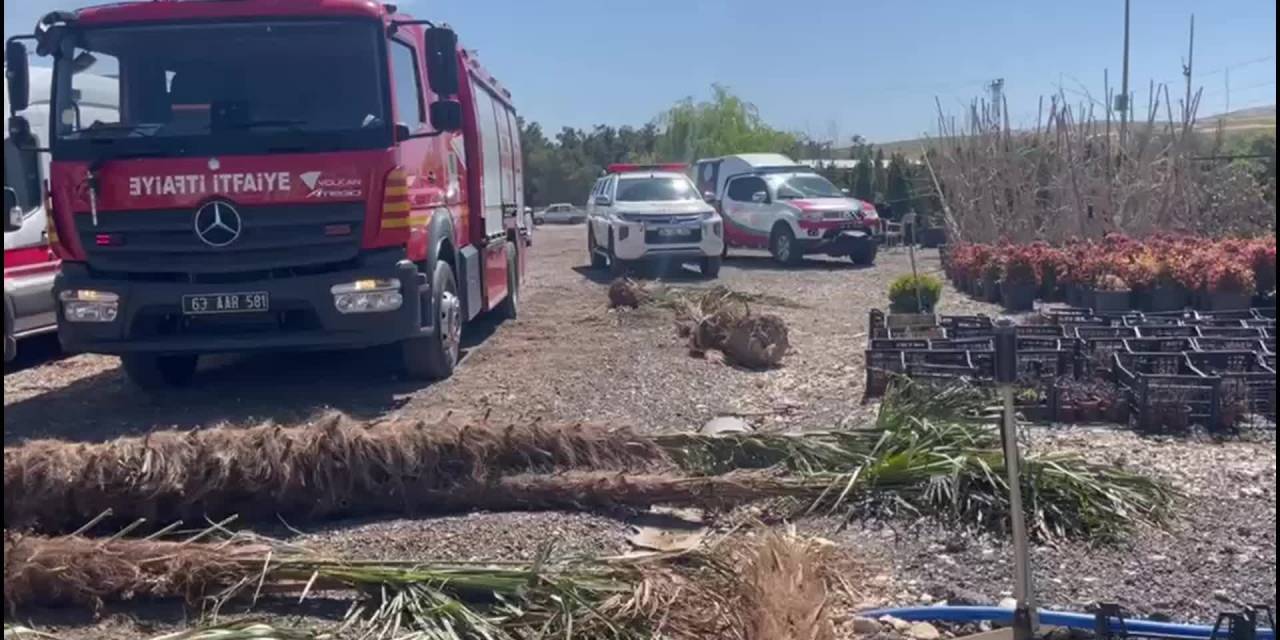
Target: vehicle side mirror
603,201
446,115
708,196
402,132
13,213
17,72
760,197
442,60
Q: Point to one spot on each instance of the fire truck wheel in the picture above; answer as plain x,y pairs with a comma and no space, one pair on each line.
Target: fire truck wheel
434,357
710,266
510,307
152,372
598,260
782,244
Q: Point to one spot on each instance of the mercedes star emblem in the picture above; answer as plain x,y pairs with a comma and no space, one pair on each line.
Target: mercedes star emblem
218,224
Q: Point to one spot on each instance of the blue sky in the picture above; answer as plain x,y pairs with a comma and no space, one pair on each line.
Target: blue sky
834,68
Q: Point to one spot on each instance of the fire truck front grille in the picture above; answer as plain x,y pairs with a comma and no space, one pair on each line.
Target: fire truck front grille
271,237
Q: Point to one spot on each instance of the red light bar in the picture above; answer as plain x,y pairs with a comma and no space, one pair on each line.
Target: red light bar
623,167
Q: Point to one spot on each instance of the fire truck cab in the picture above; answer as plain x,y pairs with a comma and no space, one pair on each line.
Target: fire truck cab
285,174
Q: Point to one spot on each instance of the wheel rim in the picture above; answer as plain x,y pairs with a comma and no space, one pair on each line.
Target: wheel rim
450,323
784,247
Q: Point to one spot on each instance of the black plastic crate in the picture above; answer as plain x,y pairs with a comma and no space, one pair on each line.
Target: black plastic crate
1032,343
925,372
1040,331
970,322
1154,321
1263,323
1231,332
1244,376
1236,314
1228,344
1159,345
953,357
1046,363
1070,315
1089,333
1165,389
1169,332
1265,313
1269,344
962,333
899,344
966,344
882,368
907,333
1233,323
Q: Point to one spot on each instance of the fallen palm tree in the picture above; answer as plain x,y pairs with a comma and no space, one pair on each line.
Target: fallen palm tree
926,451
329,469
744,591
625,292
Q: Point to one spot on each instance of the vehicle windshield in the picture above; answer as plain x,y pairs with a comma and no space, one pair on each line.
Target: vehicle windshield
222,86
652,189
803,185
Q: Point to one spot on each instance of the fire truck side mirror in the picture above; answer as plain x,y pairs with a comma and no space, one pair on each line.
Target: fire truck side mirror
442,60
17,73
446,115
12,212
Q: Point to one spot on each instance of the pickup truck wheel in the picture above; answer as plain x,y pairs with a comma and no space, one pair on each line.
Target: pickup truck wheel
710,266
10,343
598,260
865,253
782,244
151,372
509,309
434,357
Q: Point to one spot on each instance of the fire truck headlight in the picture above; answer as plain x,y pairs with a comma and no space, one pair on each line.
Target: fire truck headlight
367,296
87,305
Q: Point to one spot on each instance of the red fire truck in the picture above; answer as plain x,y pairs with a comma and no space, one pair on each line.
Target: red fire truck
279,174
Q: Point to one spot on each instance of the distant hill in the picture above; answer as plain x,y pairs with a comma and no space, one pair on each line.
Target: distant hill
1233,122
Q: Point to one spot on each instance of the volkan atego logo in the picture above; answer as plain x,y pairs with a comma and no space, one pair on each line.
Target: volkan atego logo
322,186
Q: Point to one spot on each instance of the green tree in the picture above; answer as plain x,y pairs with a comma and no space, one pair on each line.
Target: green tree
724,125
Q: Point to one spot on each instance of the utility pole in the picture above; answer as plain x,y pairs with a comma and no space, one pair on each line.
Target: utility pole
1227,78
1122,102
1186,71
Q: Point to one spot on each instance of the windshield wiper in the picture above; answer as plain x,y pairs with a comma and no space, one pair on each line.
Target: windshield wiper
92,131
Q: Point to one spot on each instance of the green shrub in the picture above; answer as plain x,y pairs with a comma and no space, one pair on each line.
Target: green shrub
902,294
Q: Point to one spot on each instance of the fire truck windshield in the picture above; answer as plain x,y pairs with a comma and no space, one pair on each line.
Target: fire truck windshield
221,88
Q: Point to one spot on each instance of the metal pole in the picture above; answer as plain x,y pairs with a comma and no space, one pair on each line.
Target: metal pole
1025,619
1124,79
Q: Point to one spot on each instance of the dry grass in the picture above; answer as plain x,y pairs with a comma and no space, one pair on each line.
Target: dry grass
785,590
330,469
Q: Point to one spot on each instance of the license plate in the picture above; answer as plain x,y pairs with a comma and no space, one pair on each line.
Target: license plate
251,302
675,232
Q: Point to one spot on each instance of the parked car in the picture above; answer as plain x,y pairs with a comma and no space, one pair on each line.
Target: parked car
768,201
560,213
29,262
652,212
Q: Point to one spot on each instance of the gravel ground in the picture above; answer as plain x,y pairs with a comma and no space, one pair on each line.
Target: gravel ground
569,358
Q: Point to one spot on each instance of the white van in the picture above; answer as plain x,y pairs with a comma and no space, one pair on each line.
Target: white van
768,201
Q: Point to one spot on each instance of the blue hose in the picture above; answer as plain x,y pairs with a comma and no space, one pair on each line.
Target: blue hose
1144,628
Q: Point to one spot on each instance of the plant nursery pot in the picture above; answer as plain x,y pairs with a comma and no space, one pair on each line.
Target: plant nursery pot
1227,301
1163,299
1112,302
1090,410
911,320
990,290
933,238
1068,415
1018,296
1034,413
1075,295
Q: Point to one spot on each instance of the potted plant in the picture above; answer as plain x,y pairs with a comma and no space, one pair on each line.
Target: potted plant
1155,281
914,295
1111,295
1018,279
1262,253
991,280
1229,285
1050,266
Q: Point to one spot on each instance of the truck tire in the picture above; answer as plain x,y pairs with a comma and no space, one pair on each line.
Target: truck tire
710,266
151,372
782,244
434,357
509,309
598,260
865,254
